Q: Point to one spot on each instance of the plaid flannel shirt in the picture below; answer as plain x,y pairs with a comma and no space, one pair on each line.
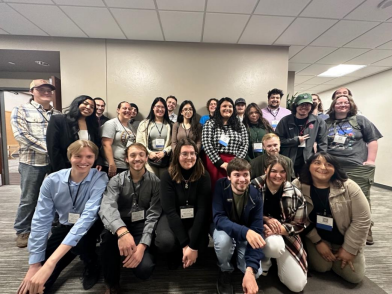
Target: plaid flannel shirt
238,144
29,123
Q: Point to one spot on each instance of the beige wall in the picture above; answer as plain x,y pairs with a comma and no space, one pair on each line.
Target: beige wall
373,98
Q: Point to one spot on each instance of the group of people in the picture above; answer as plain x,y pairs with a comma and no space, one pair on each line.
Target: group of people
263,183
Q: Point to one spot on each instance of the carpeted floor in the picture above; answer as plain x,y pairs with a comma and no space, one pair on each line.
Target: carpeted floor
201,277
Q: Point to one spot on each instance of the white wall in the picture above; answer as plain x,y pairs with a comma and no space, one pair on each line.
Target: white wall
373,96
12,99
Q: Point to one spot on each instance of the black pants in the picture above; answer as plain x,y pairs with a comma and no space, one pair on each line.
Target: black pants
167,242
86,247
112,260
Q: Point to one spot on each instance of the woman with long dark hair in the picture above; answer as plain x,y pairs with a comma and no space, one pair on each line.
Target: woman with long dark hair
79,121
284,217
257,127
223,138
117,134
154,133
338,218
187,125
186,202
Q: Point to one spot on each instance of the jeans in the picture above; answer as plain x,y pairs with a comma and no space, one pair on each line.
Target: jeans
31,178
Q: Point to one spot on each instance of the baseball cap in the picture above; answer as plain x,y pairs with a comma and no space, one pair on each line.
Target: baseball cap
240,100
40,83
303,98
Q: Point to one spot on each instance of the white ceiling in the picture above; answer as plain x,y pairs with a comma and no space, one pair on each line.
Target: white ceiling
320,33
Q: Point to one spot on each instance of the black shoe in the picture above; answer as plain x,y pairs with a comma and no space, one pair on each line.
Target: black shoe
91,275
223,285
369,238
174,260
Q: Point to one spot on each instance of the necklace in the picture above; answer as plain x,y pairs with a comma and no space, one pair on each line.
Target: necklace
186,182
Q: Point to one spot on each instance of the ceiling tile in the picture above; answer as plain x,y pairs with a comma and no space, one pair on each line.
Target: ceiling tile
367,71
294,50
304,30
387,45
341,55
223,28
370,57
80,2
320,88
30,1
137,4
297,66
303,88
182,26
15,24
314,69
99,24
187,5
132,20
369,11
344,31
330,8
263,30
55,22
232,6
373,38
341,81
281,7
311,54
301,79
318,80
384,62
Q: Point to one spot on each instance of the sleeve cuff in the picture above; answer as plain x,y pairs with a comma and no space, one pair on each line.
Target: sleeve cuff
115,225
146,239
219,163
36,257
71,240
350,249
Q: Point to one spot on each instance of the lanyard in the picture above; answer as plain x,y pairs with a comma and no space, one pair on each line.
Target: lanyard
159,131
325,203
186,133
130,135
302,130
269,110
251,134
340,127
41,112
70,193
136,198
185,188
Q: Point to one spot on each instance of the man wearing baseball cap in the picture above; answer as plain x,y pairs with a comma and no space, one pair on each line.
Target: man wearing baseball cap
240,105
29,123
300,130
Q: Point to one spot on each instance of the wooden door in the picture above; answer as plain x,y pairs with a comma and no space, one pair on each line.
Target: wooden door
55,81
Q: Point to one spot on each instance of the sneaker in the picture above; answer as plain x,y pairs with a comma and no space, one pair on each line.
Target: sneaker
223,285
22,240
369,238
265,266
113,290
91,274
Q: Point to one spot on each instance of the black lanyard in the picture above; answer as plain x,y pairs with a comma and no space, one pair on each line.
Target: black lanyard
272,112
340,126
159,131
325,203
136,198
70,193
41,112
126,129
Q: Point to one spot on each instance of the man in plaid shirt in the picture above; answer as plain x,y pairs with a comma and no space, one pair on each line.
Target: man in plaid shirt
29,123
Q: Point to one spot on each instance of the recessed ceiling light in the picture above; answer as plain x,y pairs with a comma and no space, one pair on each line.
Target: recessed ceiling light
43,63
341,70
12,63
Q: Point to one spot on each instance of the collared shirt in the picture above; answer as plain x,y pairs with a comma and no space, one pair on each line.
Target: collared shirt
29,124
173,117
275,114
55,197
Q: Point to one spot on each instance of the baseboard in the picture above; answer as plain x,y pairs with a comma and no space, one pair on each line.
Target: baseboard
382,186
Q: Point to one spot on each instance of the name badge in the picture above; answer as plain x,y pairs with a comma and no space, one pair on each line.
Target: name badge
159,143
339,139
258,147
303,144
274,123
324,223
137,214
187,211
73,217
224,140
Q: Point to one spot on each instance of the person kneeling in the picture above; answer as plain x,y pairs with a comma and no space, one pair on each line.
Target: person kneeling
238,219
284,219
75,194
129,211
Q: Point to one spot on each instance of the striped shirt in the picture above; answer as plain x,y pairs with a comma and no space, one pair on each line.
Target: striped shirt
29,123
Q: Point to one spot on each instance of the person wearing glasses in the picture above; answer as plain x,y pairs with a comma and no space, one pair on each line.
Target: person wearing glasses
182,231
154,133
187,125
78,122
29,123
117,134
299,131
352,139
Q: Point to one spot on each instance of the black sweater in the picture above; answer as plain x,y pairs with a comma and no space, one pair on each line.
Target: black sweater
198,194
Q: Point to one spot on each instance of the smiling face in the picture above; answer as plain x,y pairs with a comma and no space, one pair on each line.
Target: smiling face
87,107
342,106
240,180
82,161
226,110
276,175
274,101
159,109
187,157
321,170
136,158
124,112
187,111
303,110
133,112
100,106
315,99
272,146
253,115
171,104
42,95
212,106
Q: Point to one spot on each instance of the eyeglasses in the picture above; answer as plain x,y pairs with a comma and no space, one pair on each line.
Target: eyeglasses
342,103
188,154
187,109
44,90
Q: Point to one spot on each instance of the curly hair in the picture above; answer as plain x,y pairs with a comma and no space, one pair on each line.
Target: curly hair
233,121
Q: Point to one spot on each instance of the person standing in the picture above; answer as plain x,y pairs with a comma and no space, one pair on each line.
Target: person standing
274,112
100,109
240,105
319,111
130,210
29,123
134,112
171,102
300,130
211,106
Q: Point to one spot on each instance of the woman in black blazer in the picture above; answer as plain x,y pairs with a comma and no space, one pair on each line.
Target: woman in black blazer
78,122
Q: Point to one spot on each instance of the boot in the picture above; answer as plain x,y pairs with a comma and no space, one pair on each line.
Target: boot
223,285
369,238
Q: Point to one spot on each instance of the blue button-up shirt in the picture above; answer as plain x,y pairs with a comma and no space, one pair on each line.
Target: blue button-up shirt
55,196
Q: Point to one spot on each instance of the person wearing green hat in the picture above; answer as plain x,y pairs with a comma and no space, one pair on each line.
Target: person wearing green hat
300,130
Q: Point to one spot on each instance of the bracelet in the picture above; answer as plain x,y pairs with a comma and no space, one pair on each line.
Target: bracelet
318,242
123,234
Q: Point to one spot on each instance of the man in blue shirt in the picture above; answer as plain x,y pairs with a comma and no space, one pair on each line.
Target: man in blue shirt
75,194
